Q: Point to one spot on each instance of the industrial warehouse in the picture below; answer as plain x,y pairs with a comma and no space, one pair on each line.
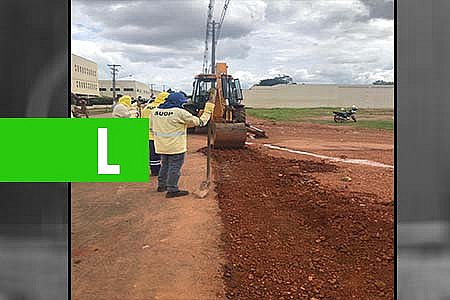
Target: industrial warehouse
131,88
85,83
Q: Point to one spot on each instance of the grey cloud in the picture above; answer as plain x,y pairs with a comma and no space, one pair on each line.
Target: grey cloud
323,20
282,10
380,8
171,65
170,23
279,11
142,53
325,74
231,48
349,58
313,41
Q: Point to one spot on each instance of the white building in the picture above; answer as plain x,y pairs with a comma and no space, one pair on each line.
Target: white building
84,81
131,88
320,95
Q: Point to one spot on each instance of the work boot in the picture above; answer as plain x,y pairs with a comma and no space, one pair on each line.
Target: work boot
176,194
161,189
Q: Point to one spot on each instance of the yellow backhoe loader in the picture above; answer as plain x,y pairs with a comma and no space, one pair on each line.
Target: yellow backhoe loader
229,126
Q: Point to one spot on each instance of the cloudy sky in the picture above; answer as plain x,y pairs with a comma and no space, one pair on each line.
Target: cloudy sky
162,42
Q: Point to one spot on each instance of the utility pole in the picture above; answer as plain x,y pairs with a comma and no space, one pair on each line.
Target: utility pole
151,88
164,87
213,48
114,70
208,30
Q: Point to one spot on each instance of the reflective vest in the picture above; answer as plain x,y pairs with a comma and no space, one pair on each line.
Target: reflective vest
170,125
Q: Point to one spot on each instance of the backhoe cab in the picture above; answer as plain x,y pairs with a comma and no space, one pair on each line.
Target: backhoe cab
228,120
229,107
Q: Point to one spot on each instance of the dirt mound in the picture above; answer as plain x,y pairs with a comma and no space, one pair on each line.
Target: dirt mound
286,237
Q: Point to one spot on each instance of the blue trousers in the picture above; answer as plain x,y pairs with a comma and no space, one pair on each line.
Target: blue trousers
170,171
155,159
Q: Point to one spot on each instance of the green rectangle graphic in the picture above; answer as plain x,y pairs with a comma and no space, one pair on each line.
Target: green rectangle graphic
73,150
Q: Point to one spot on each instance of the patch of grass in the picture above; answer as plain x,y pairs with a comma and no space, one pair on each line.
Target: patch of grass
367,118
289,114
376,124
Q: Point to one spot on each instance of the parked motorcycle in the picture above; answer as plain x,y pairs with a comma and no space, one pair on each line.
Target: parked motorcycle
342,116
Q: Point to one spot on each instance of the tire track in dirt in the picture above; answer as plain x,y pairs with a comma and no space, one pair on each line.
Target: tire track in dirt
287,237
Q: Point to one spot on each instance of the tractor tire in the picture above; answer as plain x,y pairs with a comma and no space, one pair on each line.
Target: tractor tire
239,115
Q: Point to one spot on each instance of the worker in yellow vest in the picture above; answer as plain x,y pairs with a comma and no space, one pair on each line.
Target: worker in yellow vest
123,108
155,158
169,124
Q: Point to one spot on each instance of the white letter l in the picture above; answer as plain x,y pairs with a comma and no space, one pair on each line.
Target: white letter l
103,167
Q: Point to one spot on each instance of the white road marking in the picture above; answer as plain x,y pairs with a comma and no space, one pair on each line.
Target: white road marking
344,160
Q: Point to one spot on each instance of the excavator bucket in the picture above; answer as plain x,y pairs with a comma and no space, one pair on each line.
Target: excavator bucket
229,135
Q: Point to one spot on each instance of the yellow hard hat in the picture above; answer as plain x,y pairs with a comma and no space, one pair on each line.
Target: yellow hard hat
125,100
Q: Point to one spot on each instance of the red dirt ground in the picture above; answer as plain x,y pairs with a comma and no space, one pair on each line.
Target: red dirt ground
341,142
290,227
286,236
337,141
131,243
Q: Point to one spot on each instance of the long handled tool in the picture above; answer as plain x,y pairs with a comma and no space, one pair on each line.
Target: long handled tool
205,185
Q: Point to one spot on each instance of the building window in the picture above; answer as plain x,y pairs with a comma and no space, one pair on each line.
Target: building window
128,89
102,89
117,89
